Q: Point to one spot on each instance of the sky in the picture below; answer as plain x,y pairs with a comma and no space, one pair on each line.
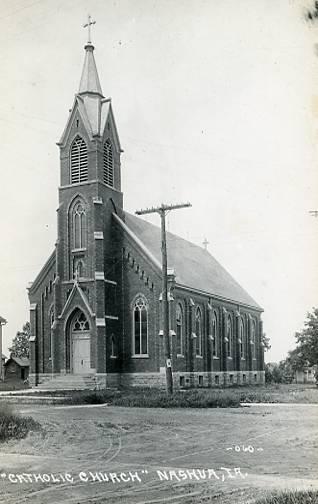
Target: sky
216,103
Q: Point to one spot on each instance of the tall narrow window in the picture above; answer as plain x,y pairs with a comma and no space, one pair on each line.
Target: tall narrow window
229,336
113,347
253,339
78,161
51,318
108,163
215,335
140,327
79,226
79,268
242,340
198,331
179,323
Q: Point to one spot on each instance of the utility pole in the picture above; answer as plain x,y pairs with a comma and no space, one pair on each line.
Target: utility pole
162,211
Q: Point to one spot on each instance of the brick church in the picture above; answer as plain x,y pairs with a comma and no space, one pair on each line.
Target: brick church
95,306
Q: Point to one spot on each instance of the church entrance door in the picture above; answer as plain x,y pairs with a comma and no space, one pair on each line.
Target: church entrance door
80,344
81,354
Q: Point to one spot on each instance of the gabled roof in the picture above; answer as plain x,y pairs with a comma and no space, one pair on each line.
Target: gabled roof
21,361
44,271
194,266
76,289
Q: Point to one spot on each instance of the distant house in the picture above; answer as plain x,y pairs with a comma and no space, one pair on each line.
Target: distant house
306,375
17,368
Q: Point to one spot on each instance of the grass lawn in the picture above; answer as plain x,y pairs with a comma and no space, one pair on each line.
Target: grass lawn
13,425
193,398
310,497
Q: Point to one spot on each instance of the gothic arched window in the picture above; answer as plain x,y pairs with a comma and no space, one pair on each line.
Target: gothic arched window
242,340
229,335
179,327
198,331
79,268
78,161
108,163
51,318
253,339
113,347
140,326
79,227
215,335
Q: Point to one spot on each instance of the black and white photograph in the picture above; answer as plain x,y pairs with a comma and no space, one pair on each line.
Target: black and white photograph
158,258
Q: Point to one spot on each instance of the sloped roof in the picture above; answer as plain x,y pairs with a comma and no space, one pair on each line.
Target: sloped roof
194,266
21,361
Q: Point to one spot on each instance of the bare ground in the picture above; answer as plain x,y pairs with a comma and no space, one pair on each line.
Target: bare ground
282,439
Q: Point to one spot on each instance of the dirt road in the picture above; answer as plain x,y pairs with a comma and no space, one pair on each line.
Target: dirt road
129,455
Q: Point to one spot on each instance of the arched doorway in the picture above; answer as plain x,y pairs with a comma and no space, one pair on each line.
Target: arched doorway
80,344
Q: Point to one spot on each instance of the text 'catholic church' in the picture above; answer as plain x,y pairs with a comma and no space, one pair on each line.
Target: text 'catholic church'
95,309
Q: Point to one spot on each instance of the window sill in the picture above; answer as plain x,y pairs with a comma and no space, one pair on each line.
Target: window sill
181,356
199,356
215,357
114,357
76,250
140,356
229,357
242,358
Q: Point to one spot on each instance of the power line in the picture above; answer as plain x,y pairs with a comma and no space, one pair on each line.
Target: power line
162,210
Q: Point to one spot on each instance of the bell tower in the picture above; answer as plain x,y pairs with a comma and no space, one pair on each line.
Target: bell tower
89,193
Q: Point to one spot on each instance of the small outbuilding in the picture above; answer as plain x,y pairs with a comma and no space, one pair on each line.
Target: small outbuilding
17,368
2,323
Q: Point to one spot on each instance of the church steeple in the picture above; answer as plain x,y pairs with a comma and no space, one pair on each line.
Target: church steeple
89,80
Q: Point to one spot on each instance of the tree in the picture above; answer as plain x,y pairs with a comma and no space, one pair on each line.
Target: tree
20,343
266,342
306,352
312,14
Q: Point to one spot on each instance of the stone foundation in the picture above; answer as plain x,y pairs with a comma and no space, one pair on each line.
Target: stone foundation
158,380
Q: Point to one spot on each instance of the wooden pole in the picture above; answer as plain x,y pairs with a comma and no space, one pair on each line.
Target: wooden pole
162,210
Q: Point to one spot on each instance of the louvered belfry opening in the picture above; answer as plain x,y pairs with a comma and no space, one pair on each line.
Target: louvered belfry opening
108,164
79,161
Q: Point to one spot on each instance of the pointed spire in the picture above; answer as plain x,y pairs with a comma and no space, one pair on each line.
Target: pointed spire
89,80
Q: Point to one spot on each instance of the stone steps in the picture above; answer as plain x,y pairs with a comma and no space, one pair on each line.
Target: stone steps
68,382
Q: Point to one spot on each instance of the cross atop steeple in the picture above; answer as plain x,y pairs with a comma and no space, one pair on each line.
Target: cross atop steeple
205,244
88,25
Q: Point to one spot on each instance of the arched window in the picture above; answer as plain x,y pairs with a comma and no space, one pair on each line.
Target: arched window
140,327
242,340
51,319
78,224
108,163
78,161
215,335
113,347
80,323
179,324
79,269
198,331
229,335
253,339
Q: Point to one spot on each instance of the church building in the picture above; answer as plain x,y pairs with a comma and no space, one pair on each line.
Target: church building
95,306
